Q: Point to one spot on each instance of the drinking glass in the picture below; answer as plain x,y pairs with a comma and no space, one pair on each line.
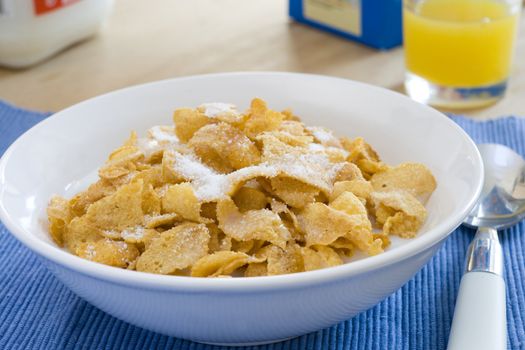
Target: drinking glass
458,53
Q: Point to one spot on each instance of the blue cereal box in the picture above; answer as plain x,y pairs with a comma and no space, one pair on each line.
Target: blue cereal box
376,23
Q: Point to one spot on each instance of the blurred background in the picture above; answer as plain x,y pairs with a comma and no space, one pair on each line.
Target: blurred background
143,41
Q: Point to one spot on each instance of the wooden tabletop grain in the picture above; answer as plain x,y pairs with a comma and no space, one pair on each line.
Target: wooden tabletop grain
145,41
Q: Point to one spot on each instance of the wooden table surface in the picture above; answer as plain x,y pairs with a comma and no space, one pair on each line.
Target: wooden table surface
151,40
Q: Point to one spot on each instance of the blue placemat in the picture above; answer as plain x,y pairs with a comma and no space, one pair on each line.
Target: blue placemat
38,312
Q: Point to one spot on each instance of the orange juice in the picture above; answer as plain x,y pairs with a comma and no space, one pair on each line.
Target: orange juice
460,43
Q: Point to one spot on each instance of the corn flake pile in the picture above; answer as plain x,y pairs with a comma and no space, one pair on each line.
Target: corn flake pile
224,193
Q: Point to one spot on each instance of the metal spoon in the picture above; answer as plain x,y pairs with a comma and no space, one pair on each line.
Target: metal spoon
479,318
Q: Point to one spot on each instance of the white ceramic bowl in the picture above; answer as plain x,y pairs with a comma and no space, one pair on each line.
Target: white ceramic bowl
61,155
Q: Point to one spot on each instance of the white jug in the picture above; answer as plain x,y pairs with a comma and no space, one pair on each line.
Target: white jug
32,30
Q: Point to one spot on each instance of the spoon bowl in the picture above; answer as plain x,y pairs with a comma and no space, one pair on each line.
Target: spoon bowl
502,200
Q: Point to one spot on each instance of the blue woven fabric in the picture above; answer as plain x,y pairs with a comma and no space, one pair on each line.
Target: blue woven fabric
38,312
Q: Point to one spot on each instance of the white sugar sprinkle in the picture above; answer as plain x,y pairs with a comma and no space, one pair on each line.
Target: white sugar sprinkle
148,146
163,134
90,251
136,232
161,191
111,234
312,167
207,184
316,147
342,151
215,109
325,136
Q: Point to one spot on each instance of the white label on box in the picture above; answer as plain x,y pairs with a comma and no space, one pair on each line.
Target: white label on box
344,15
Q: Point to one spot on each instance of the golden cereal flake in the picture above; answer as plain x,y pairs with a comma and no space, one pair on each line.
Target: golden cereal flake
160,138
414,178
282,209
292,133
59,215
350,204
224,112
135,235
253,224
81,201
361,188
349,172
156,220
402,225
359,149
329,256
225,243
224,147
293,192
370,167
169,173
175,249
335,154
344,247
80,230
125,151
400,200
216,237
319,257
248,198
122,160
261,119
112,172
385,240
289,116
257,107
151,202
220,263
288,138
132,265
399,212
283,261
151,176
246,246
119,210
109,252
376,247
362,237
187,122
181,200
209,210
294,127
323,225
256,270
363,155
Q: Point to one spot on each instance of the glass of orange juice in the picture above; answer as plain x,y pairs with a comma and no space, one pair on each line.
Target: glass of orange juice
458,53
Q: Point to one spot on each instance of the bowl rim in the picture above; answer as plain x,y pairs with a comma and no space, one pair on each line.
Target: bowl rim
164,282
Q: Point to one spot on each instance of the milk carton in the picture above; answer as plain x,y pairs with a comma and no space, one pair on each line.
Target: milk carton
32,30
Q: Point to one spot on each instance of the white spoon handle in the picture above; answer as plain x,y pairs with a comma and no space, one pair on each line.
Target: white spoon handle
479,317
